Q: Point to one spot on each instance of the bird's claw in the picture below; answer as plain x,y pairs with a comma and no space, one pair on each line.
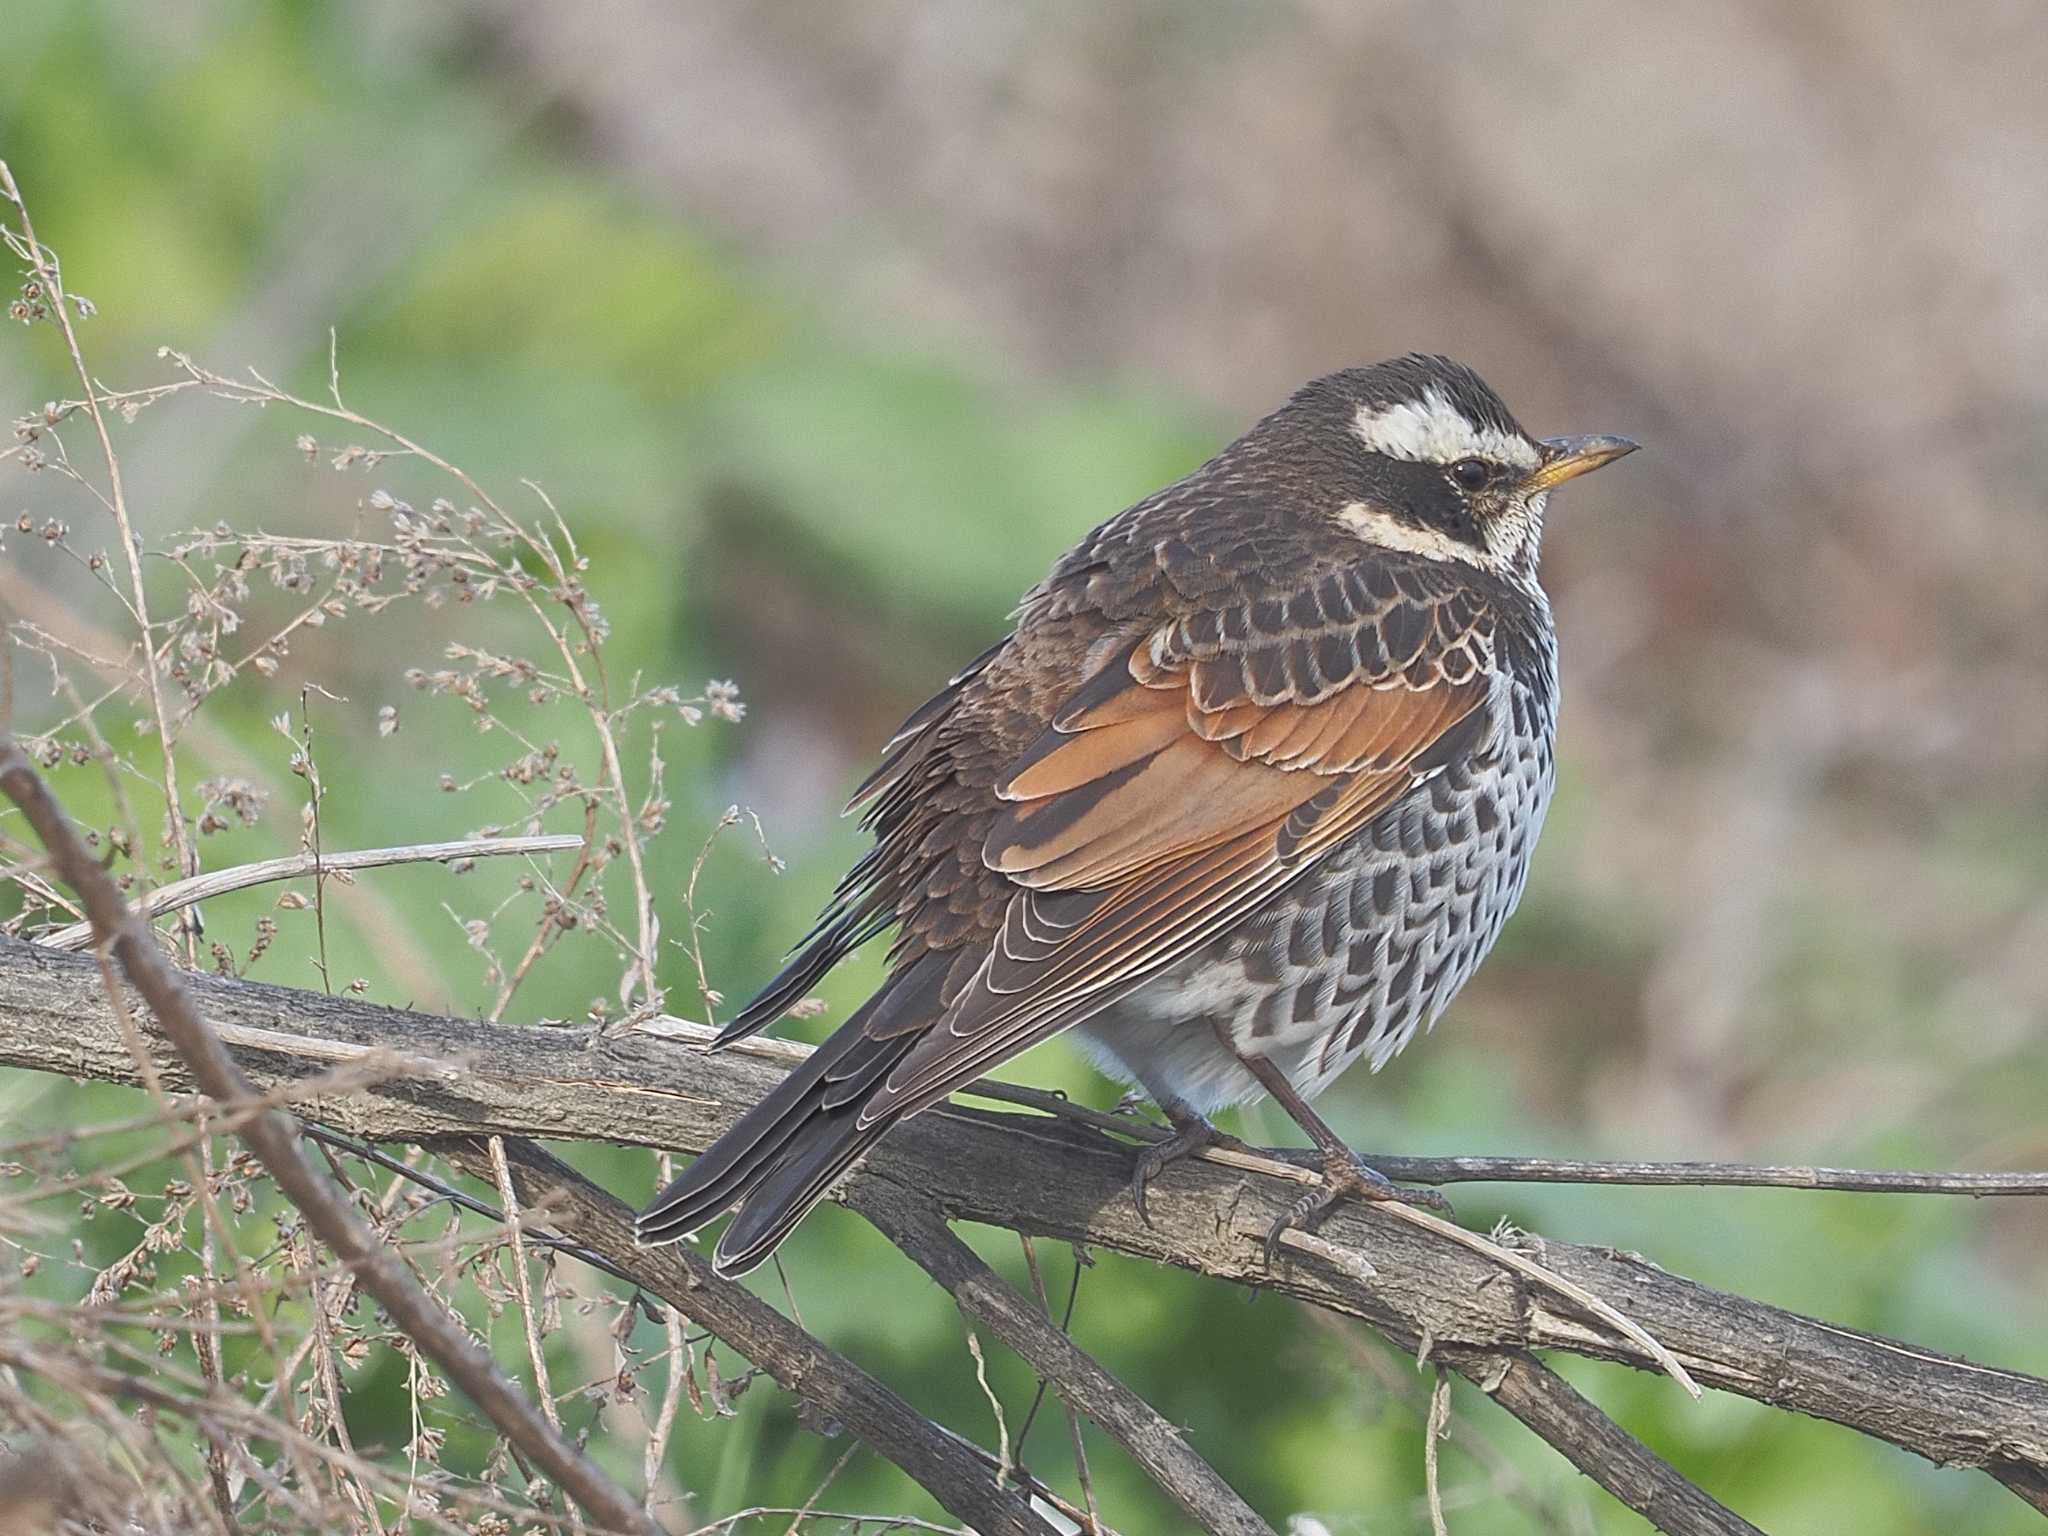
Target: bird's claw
1187,1138
1344,1174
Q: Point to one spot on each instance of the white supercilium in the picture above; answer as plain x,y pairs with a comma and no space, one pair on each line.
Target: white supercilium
1434,431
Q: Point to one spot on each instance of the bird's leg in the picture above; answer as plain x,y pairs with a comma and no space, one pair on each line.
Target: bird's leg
1344,1172
1191,1133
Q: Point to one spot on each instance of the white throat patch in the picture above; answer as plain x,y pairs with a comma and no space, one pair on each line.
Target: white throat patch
1433,431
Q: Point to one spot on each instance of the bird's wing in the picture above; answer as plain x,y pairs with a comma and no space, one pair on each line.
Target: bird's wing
864,903
1203,769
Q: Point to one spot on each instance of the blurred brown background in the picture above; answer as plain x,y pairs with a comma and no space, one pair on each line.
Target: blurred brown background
1796,250
832,325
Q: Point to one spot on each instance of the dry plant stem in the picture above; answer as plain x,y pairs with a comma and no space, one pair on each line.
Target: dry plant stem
206,1345
328,1376
222,1415
1055,1177
546,927
1006,1464
240,877
408,971
197,1155
536,1355
1147,1437
407,1174
1398,1378
811,1504
1094,1524
886,1525
1435,1426
675,1352
51,278
597,700
273,1137
217,1118
951,1469
131,547
1578,1430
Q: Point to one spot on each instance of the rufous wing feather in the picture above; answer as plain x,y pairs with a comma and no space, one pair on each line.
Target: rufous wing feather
1179,800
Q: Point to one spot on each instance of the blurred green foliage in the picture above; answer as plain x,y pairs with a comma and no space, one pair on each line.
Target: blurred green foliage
245,176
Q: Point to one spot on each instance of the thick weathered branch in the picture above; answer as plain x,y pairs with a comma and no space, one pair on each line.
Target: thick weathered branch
1054,1177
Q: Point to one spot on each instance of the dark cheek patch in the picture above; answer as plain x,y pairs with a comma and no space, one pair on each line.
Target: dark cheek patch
1427,499
1420,496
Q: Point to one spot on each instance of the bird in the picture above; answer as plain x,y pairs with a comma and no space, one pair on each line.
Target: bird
1245,796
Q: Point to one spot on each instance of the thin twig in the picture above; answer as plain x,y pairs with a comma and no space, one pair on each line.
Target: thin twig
1529,1269
240,877
1066,1327
329,1376
551,913
676,1348
1601,1448
1376,1356
444,1190
204,1348
1280,1163
1302,1168
640,984
852,1523
817,1493
316,791
155,1386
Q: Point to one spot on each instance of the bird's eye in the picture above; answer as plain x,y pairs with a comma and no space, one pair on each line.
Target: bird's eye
1471,474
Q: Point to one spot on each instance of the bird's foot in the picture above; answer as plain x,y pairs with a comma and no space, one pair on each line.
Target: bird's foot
1344,1173
1191,1133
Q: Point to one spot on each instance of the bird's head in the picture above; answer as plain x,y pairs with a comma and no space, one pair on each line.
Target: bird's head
1433,463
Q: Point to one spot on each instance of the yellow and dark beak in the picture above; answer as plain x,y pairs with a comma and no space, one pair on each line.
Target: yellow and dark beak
1567,458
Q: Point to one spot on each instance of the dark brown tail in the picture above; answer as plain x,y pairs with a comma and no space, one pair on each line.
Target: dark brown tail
782,1155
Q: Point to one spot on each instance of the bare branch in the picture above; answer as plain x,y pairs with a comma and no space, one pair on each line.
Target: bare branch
1302,1166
